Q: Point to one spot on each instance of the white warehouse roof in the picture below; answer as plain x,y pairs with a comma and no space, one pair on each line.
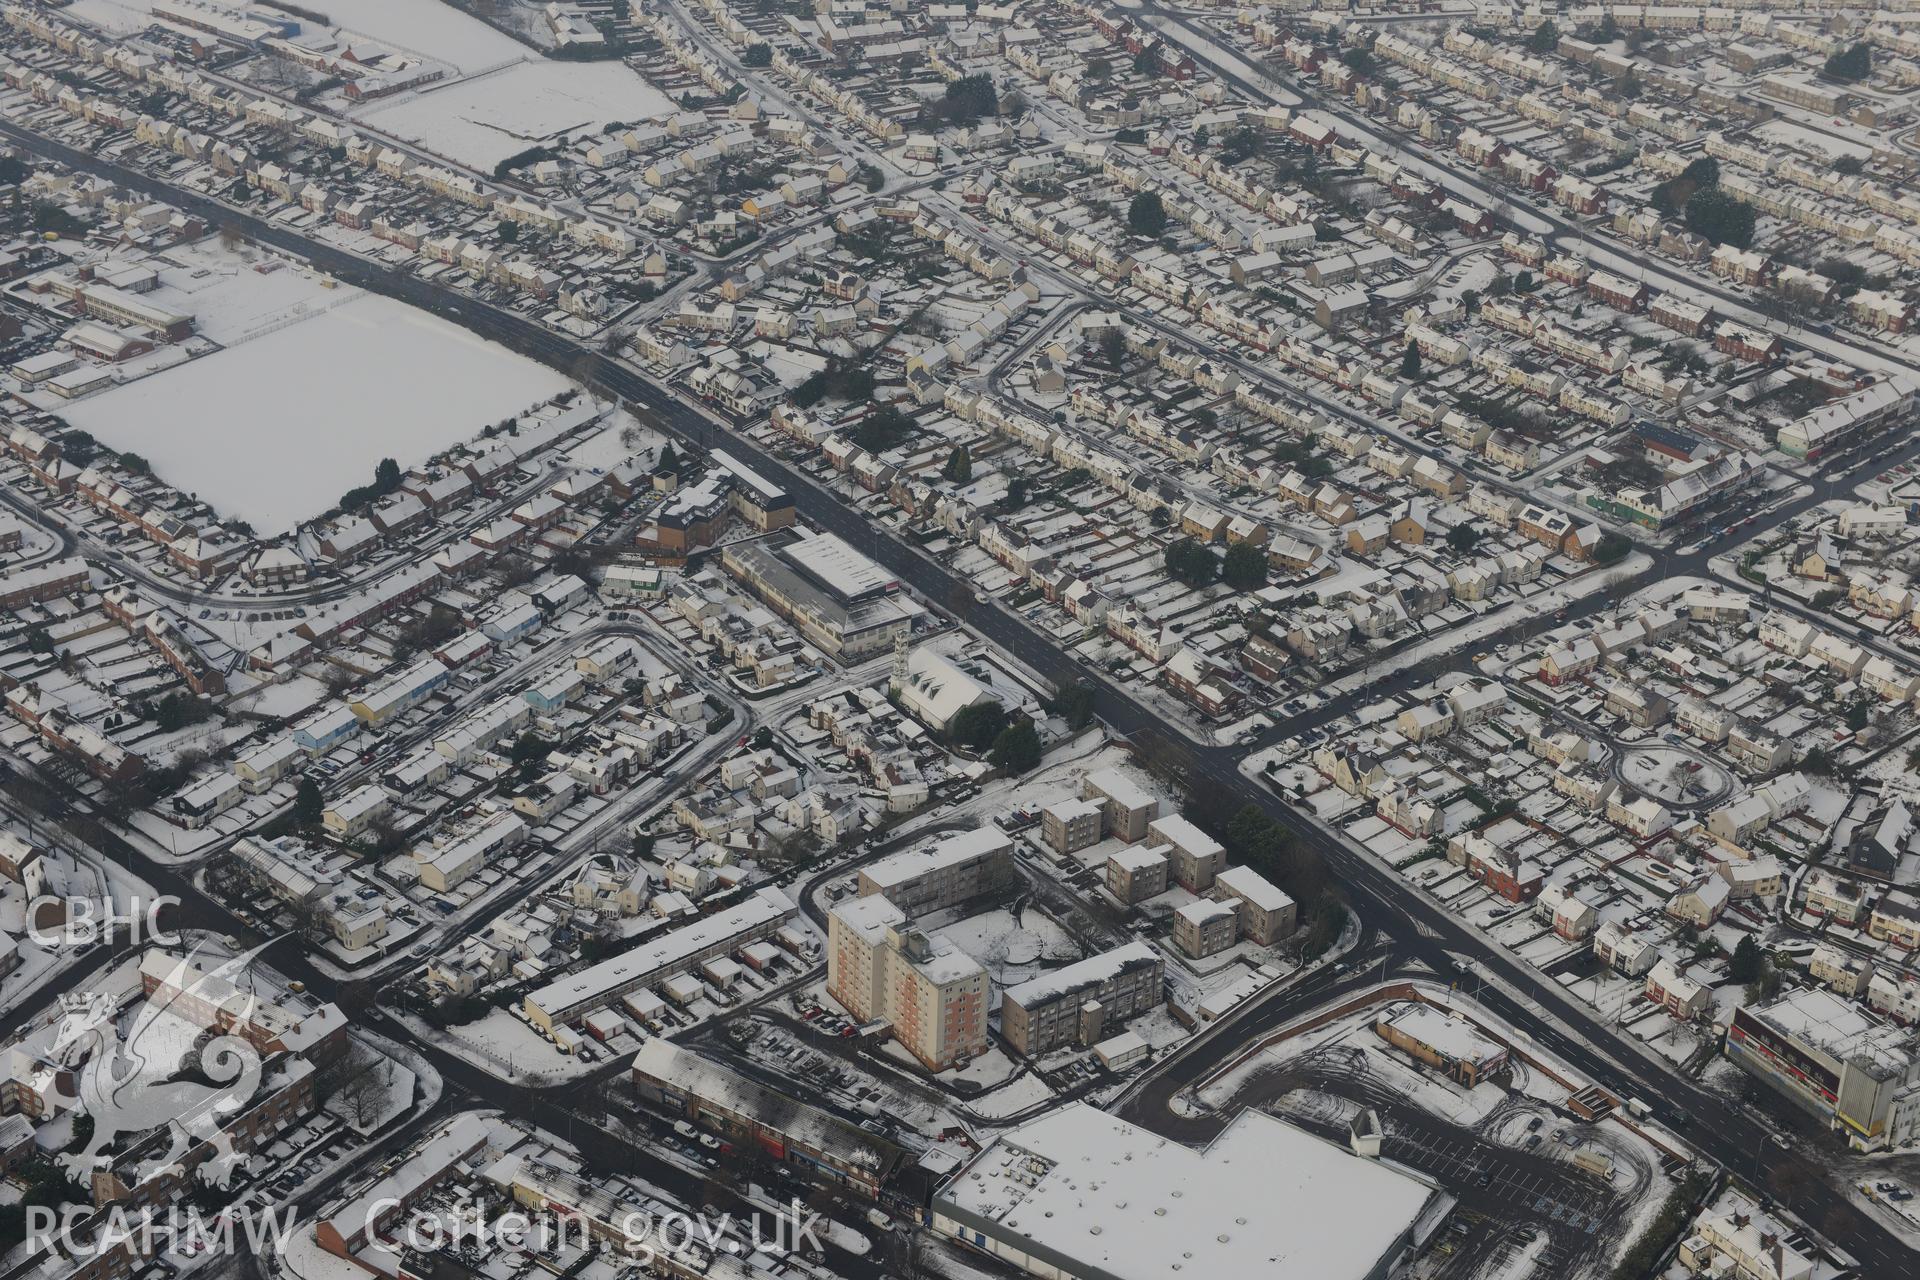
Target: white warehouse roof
1089,1193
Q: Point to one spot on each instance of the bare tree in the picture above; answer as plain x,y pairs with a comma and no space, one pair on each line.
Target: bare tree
365,1096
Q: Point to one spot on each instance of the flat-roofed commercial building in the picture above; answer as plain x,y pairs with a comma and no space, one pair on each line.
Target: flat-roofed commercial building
1449,1044
1082,1003
1836,1060
837,598
1264,1199
748,1113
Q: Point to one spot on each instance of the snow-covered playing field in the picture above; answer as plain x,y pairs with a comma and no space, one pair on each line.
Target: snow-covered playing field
238,292
500,98
482,121
274,430
432,29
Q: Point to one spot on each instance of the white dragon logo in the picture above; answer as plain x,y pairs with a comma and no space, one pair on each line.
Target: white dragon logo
128,1086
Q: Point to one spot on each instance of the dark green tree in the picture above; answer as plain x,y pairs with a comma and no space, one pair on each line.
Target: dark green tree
969,98
1191,563
1852,63
78,447
884,428
1747,960
1245,567
308,803
1147,216
1075,706
386,478
1017,749
1720,218
1410,362
1545,38
977,726
178,710
1703,172
1323,927
959,468
757,55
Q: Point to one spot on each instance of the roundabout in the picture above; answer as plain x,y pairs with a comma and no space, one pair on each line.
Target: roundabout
1675,776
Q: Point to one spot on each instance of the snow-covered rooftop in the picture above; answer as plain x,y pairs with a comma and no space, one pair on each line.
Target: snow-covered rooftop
1454,1037
958,850
1083,1188
614,977
1082,975
667,1064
